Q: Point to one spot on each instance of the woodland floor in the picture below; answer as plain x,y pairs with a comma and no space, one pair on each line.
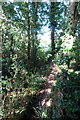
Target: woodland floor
43,98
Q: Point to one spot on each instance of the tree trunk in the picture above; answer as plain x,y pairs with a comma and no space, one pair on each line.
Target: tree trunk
52,43
69,37
73,16
29,39
34,32
52,25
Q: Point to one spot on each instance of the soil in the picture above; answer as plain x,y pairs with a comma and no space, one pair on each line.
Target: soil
42,98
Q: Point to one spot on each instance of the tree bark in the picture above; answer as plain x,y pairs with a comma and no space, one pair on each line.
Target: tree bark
29,39
34,32
53,25
73,16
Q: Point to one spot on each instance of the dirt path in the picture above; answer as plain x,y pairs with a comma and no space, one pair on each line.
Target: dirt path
44,94
42,98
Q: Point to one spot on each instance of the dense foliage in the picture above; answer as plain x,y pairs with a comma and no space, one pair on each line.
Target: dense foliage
26,64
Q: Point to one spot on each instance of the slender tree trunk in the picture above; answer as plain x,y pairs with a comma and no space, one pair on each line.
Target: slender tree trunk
11,45
53,25
29,39
34,32
52,43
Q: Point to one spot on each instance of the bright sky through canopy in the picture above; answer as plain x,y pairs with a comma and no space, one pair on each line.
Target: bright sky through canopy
45,38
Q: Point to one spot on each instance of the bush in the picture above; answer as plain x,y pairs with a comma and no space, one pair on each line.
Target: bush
69,84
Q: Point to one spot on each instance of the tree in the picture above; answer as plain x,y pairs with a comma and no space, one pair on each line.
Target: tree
73,17
53,24
54,18
73,24
29,32
34,31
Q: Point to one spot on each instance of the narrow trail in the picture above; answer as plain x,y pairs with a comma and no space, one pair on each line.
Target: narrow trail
42,98
44,94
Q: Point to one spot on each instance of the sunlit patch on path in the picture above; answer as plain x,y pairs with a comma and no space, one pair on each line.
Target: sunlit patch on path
45,93
44,98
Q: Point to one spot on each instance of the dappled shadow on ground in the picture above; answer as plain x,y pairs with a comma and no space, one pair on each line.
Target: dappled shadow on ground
42,97
47,98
